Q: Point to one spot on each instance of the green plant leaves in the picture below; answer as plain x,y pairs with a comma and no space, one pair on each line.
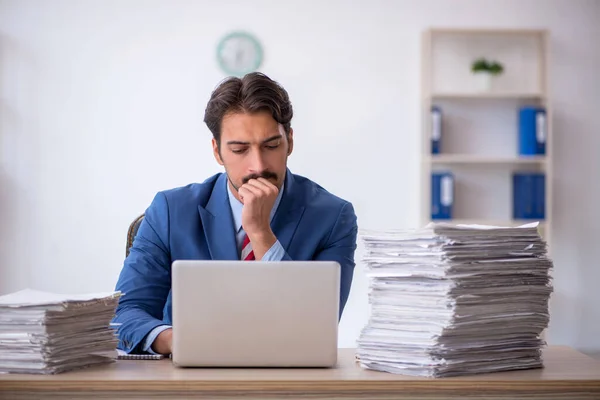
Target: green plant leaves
483,65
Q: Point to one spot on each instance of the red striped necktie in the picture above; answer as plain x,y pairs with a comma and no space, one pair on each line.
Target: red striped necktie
247,252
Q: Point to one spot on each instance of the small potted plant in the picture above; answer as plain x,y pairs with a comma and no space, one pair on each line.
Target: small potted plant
484,72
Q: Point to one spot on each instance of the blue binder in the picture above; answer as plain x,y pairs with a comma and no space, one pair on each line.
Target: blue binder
436,130
529,195
532,131
442,195
539,208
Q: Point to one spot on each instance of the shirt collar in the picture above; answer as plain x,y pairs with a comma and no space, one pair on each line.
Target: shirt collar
236,206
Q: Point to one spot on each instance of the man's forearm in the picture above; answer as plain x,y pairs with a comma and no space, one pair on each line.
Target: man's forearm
261,243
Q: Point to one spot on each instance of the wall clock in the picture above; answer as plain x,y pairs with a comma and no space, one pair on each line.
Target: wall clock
239,53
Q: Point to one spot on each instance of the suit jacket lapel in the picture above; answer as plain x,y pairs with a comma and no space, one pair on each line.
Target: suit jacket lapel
288,214
217,223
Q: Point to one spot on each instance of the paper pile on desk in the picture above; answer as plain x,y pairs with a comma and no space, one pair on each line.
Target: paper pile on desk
452,300
47,333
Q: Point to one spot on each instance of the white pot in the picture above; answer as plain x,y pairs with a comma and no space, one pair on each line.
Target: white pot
483,81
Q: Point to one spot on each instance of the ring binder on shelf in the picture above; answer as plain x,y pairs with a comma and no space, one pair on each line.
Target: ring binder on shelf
442,195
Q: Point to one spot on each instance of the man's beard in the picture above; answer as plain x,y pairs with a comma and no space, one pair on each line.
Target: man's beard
265,174
268,175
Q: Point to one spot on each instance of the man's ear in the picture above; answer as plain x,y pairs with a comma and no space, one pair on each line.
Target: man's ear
217,152
290,141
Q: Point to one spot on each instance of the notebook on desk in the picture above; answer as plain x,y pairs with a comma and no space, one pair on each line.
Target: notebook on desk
121,355
255,314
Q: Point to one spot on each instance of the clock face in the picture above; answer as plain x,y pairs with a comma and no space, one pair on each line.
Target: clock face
239,53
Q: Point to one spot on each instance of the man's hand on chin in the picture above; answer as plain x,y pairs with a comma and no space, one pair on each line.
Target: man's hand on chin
258,197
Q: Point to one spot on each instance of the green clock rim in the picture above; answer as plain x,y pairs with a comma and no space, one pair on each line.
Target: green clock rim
255,43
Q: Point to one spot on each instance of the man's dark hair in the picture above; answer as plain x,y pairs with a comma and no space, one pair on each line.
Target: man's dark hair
252,93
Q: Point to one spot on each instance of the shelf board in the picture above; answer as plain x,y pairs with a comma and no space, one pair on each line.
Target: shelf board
480,159
486,95
486,31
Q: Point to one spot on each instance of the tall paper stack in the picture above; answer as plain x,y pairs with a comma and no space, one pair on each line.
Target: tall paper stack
452,300
46,333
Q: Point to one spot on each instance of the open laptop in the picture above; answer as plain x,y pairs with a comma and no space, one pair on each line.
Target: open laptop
255,314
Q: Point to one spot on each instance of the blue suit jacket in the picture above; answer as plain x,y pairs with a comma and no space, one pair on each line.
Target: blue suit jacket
194,222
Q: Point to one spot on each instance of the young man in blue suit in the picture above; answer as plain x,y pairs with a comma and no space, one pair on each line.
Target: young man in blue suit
256,210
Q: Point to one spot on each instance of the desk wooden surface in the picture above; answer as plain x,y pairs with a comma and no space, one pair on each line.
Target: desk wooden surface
567,375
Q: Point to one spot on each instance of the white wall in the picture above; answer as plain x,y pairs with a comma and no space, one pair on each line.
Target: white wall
102,103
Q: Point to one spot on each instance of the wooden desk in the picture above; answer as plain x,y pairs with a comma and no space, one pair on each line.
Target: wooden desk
567,375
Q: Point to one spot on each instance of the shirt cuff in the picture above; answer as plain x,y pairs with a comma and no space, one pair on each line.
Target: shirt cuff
152,337
275,253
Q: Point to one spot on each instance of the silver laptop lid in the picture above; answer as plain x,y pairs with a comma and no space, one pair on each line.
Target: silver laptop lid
255,314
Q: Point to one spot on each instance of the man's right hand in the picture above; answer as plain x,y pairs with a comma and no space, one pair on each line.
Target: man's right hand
163,344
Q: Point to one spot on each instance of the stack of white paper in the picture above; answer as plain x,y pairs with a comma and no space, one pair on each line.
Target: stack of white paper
47,333
455,299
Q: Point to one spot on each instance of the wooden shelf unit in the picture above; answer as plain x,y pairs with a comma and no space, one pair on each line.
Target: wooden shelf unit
447,54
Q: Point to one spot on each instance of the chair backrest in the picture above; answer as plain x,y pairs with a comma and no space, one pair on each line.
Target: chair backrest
132,231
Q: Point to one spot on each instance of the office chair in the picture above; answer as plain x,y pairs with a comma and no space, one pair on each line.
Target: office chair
132,231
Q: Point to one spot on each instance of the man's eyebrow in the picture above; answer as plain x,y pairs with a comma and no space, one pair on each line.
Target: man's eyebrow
237,142
272,138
